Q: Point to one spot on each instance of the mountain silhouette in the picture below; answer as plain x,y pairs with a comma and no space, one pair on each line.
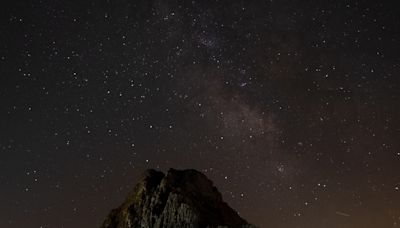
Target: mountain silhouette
177,199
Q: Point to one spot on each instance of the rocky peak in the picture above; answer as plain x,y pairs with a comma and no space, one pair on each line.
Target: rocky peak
179,198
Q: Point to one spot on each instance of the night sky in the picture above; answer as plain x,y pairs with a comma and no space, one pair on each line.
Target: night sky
291,107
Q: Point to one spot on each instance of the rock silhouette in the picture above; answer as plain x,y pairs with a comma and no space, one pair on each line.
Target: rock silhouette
177,199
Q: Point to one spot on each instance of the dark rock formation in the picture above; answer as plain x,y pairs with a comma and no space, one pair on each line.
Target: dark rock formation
183,199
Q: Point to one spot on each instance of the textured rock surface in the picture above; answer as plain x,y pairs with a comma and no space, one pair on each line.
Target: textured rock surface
184,199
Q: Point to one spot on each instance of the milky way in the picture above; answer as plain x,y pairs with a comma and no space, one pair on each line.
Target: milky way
290,107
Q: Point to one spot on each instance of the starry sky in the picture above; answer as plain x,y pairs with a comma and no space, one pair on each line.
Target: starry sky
291,107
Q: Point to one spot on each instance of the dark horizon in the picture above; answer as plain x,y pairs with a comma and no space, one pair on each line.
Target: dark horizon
290,107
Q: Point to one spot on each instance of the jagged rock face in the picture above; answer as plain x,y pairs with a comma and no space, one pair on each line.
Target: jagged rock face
185,199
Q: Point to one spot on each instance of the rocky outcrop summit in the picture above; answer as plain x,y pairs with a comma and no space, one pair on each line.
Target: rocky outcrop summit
177,199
